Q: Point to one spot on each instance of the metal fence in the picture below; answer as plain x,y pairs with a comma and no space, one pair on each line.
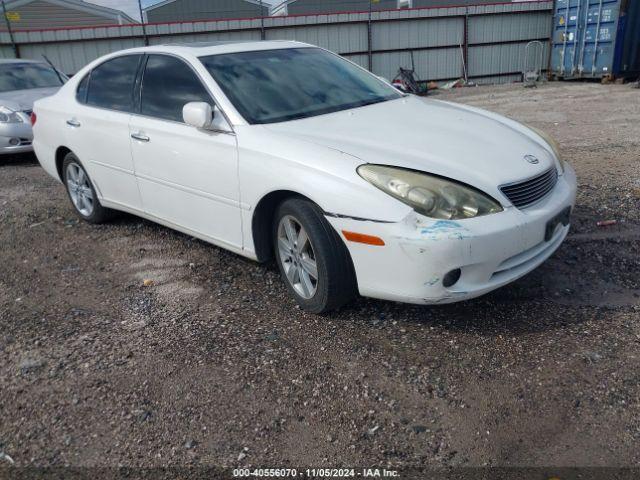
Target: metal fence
487,40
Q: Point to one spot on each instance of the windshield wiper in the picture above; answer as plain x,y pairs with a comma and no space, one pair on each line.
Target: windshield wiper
324,111
364,103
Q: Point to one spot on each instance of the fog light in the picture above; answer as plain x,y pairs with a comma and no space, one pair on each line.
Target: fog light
451,278
14,141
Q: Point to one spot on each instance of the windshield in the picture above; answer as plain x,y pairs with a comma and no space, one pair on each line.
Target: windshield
277,85
23,76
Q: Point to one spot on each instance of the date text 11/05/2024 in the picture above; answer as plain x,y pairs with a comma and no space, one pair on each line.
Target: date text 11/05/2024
316,473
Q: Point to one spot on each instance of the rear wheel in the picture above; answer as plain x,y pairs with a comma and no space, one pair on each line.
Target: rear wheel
81,192
314,262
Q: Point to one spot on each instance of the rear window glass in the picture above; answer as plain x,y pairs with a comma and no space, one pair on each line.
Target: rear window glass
26,76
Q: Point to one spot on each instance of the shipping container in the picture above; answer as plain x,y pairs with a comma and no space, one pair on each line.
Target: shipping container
596,39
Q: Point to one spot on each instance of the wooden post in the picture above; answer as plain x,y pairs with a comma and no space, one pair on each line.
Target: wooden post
16,50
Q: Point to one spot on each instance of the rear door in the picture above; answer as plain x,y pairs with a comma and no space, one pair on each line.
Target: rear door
98,129
188,177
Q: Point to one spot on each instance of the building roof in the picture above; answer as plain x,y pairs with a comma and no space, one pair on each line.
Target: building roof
167,2
281,7
118,16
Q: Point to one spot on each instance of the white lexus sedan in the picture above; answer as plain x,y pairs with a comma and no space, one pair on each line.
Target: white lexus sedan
284,150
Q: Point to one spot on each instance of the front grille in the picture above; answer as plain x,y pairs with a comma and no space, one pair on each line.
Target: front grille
523,194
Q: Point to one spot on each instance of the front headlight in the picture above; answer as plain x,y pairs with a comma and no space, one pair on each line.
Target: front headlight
9,116
555,148
429,195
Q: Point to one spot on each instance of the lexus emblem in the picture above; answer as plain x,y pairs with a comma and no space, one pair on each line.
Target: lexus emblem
532,159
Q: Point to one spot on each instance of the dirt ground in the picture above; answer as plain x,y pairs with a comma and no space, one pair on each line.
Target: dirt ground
214,365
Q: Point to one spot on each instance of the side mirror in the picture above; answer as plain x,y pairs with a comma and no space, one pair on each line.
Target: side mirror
198,114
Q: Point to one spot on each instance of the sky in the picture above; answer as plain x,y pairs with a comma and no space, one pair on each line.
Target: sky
130,7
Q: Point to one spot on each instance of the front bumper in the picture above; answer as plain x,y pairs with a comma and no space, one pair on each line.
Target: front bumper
490,251
10,149
15,138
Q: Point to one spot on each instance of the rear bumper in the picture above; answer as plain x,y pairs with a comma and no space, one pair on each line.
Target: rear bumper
490,251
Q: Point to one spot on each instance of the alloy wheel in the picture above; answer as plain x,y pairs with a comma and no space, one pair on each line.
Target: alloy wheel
80,189
297,257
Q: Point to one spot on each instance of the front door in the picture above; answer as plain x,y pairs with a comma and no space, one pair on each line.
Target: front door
187,177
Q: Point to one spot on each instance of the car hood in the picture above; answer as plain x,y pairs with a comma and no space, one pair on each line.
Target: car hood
459,142
21,100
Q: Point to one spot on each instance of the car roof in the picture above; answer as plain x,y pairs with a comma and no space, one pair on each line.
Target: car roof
18,60
202,49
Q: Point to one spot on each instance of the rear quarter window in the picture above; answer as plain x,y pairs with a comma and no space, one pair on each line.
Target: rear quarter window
83,88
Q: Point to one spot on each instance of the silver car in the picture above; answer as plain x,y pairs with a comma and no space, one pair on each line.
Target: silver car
21,83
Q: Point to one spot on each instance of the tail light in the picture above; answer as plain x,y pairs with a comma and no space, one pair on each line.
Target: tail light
33,118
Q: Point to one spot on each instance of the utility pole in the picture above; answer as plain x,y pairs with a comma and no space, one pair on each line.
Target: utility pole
16,50
262,34
465,49
144,27
370,55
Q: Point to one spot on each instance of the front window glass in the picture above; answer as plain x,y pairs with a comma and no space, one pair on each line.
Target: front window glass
167,86
278,85
26,76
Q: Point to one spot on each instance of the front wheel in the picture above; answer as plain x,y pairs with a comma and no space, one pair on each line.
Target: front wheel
314,262
81,192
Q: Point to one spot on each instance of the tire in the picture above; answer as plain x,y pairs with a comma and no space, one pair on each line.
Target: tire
81,192
315,242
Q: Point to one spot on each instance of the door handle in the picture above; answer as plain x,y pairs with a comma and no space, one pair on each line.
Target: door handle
140,137
73,123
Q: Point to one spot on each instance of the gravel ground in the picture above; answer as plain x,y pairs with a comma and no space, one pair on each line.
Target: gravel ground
214,365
